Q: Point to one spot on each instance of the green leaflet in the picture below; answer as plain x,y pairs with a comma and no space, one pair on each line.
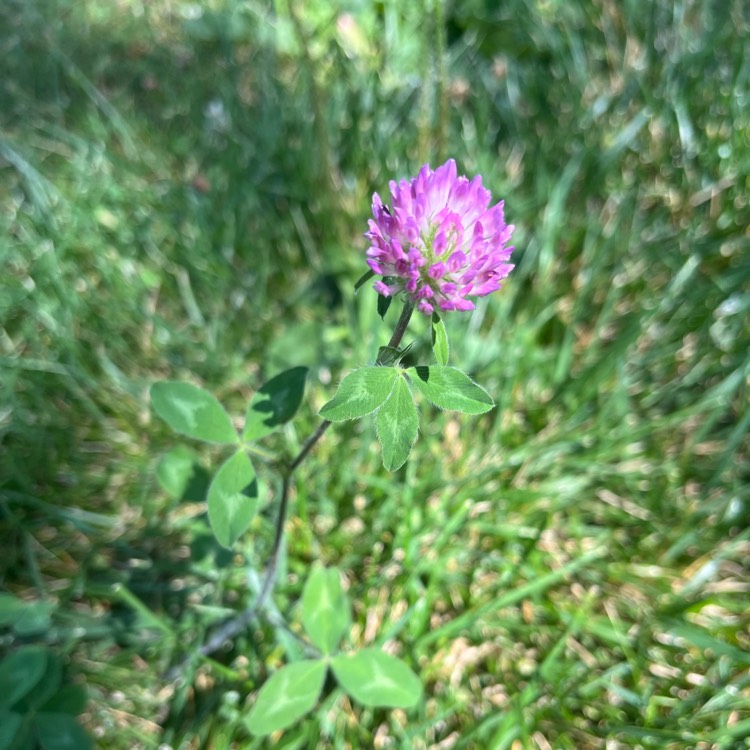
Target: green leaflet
175,470
440,340
360,393
232,499
397,425
326,612
449,388
374,678
20,674
191,411
275,403
60,731
287,696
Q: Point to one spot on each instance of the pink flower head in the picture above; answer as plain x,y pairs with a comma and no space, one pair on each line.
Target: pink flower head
440,243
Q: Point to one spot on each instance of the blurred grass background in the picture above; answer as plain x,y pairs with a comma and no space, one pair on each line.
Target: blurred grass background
183,189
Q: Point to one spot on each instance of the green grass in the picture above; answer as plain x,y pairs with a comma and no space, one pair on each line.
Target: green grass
182,195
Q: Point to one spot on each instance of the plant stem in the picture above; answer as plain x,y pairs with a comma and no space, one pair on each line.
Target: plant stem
309,445
403,322
236,625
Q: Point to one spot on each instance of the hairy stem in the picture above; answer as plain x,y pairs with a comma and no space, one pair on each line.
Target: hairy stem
403,322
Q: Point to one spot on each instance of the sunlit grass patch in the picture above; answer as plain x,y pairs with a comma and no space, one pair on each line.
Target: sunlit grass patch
183,189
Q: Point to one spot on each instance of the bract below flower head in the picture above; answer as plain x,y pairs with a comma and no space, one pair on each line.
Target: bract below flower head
440,243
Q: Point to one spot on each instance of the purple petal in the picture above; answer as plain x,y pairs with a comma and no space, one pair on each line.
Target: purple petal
437,270
382,288
440,243
464,305
456,261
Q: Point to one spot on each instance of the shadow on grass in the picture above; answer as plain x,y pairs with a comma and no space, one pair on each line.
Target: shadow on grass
153,164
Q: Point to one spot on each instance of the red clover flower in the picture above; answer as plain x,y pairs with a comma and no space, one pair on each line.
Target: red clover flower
440,243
